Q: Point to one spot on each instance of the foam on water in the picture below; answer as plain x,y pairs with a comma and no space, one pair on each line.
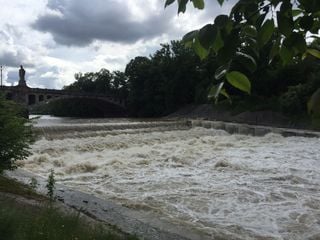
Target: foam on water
231,186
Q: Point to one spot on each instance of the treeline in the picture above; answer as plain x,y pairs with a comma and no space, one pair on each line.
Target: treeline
156,85
174,76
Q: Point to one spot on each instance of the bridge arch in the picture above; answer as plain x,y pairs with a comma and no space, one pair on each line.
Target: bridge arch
81,106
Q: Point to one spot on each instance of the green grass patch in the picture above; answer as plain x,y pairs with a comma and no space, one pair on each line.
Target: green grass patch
20,220
13,187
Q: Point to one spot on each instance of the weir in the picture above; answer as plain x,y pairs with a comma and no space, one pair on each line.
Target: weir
85,130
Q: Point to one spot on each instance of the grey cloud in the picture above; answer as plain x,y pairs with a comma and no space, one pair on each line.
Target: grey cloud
12,76
79,22
37,78
14,59
11,54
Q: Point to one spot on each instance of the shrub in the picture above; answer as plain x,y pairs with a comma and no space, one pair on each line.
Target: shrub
15,134
51,185
294,101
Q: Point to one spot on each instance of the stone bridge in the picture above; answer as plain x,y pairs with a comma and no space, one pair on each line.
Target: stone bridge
33,96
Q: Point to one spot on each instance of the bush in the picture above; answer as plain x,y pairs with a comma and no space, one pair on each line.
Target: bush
15,134
84,107
294,101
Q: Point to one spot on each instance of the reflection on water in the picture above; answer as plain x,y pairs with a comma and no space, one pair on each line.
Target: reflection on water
229,186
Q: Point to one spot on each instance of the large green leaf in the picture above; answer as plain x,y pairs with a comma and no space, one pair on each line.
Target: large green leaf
230,46
182,5
224,93
299,42
218,42
168,2
314,52
188,39
265,32
221,21
207,35
286,54
239,80
250,30
220,2
275,49
200,51
198,4
296,12
215,90
285,18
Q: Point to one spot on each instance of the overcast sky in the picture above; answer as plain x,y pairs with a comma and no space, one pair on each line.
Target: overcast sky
54,39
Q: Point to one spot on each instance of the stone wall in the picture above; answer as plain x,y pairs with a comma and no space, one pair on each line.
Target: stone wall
254,130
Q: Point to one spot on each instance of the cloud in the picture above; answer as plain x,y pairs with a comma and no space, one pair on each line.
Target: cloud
51,38
11,54
45,77
80,22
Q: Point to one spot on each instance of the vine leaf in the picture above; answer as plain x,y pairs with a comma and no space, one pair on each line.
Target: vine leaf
198,4
314,52
265,32
239,80
169,2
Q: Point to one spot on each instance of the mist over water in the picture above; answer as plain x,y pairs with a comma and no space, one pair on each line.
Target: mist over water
231,186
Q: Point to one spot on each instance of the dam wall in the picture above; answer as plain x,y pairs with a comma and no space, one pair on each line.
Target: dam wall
254,130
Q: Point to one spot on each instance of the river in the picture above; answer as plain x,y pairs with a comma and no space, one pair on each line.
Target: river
228,186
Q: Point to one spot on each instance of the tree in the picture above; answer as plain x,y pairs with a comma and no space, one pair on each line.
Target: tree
15,135
256,33
170,78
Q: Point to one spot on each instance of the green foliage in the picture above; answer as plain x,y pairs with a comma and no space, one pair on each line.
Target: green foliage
102,82
51,185
274,30
314,104
15,135
170,78
239,80
295,99
28,222
84,107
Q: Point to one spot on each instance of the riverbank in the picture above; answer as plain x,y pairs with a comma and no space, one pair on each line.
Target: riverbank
123,222
229,114
26,214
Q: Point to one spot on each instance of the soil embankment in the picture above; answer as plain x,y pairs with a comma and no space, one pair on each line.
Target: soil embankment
266,118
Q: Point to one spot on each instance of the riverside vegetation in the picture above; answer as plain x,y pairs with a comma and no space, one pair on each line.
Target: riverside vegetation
25,214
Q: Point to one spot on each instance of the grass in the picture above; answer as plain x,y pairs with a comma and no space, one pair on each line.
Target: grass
22,221
9,186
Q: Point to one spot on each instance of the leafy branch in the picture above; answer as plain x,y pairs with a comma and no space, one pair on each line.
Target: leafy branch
252,28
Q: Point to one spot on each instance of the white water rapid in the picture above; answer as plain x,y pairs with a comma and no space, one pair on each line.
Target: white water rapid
229,186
